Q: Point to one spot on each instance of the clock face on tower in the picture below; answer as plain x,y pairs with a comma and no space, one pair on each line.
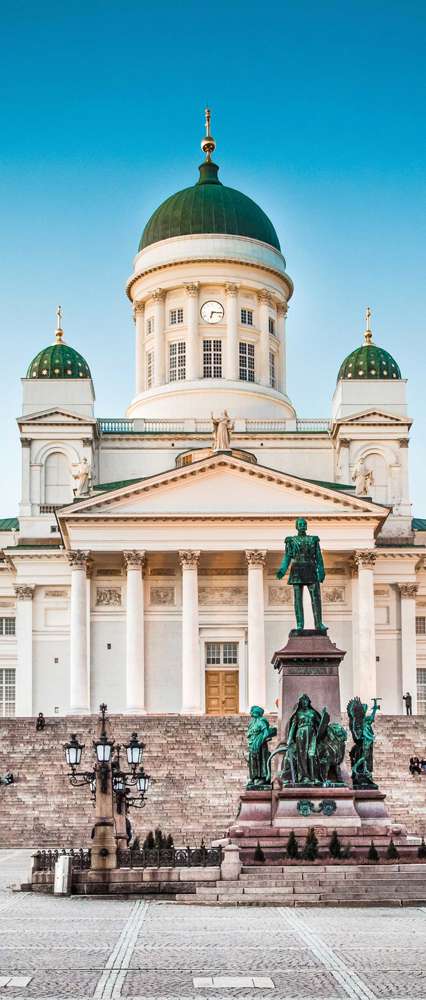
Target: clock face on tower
212,312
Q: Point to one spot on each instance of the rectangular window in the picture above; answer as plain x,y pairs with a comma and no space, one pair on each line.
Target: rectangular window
149,369
246,362
7,626
212,359
7,692
247,317
421,625
421,691
272,376
271,325
177,361
221,654
176,316
150,325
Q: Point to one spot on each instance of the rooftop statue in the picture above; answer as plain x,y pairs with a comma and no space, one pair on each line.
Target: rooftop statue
222,428
82,475
303,556
361,753
363,479
314,748
259,733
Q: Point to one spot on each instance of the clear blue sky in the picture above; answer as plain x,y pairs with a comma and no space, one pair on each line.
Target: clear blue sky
319,115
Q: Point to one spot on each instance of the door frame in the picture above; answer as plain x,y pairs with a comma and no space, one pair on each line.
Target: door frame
225,633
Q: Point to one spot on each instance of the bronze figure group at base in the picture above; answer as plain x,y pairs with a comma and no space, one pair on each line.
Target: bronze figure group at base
314,749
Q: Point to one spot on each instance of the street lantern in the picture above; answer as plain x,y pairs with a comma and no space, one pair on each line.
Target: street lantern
73,751
134,750
103,747
119,781
142,782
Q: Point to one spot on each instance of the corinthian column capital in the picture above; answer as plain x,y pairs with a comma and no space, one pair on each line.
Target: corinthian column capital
192,288
231,289
78,559
159,295
189,558
408,589
282,308
256,557
23,592
366,560
134,559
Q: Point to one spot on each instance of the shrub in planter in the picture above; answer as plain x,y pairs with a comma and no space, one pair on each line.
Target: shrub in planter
392,852
292,846
310,848
149,842
335,845
259,856
373,854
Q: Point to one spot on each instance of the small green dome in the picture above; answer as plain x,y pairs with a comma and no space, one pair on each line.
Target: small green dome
58,361
209,207
369,361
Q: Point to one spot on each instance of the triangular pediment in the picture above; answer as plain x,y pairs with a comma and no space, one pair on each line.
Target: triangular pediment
222,486
373,416
55,415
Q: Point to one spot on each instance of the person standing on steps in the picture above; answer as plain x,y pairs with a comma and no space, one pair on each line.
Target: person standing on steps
408,703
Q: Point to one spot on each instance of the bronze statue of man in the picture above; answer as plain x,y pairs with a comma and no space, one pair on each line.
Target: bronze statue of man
303,555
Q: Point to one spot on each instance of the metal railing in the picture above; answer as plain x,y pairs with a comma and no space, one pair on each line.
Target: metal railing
170,857
120,425
313,424
45,861
115,425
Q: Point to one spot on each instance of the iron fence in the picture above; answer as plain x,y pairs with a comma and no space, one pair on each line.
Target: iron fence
170,857
44,861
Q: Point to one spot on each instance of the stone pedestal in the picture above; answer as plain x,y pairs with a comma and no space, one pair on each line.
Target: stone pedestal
308,664
370,806
328,808
255,813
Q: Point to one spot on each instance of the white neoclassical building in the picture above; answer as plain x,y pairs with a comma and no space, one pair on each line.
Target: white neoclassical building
141,568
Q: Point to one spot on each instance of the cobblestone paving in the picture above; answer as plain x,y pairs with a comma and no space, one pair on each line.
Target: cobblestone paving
94,949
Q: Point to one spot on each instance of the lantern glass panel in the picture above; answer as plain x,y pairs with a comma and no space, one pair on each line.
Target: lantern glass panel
103,752
143,783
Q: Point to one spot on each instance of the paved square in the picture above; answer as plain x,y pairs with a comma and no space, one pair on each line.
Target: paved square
95,949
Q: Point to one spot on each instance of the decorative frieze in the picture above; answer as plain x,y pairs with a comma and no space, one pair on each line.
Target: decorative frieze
109,597
256,557
335,595
279,596
222,596
24,592
189,558
222,571
162,596
134,559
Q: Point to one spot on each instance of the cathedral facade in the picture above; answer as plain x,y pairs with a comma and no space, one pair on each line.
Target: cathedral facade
140,570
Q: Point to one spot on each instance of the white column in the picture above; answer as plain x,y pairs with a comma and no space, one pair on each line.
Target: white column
405,484
89,571
355,632
264,299
79,667
159,297
24,644
344,461
281,319
408,593
191,686
192,343
139,318
25,507
135,662
256,629
366,626
231,369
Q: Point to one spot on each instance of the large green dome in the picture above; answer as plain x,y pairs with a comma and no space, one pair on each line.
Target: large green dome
58,361
209,207
369,361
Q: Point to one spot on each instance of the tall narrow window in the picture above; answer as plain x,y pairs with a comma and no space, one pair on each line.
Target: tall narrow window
150,325
246,362
271,325
247,317
177,361
272,375
421,625
7,692
176,316
57,480
421,690
149,369
212,359
7,626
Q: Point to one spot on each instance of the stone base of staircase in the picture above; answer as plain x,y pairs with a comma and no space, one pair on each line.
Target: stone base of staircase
319,885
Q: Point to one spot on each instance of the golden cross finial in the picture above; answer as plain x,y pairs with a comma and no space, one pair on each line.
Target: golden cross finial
368,336
59,333
208,144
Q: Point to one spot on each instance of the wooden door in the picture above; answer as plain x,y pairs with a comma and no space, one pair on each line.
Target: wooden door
222,692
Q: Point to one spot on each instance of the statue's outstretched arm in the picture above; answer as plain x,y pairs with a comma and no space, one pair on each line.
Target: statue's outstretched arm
320,563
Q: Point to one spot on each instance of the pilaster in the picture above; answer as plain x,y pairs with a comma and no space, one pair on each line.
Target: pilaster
256,628
24,643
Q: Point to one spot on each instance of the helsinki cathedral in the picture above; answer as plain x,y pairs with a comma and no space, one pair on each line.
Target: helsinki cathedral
140,567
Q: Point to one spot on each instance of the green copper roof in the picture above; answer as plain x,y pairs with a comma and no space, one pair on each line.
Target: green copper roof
9,524
369,361
418,523
58,361
209,207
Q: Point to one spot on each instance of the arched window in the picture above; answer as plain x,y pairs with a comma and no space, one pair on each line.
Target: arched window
57,480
